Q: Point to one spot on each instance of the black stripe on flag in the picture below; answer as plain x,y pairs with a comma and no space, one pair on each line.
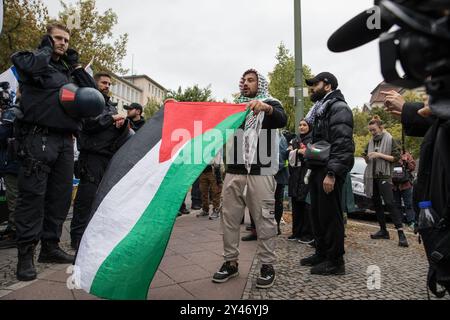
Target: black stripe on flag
129,155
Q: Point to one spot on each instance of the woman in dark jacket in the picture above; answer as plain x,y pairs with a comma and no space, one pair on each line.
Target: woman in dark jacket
298,190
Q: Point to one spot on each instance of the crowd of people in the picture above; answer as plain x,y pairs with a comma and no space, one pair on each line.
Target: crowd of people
315,165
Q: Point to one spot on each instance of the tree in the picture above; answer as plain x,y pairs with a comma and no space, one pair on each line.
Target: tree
282,78
26,20
152,107
23,25
192,94
91,36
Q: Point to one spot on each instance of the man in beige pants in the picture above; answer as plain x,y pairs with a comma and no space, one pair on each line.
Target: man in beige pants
253,186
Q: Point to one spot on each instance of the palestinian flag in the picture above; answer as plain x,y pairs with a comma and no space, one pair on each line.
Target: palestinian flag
139,198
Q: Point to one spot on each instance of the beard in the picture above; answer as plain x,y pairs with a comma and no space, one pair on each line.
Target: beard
319,95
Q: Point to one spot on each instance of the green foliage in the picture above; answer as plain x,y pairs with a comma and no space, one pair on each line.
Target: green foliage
192,94
152,107
23,26
91,37
282,78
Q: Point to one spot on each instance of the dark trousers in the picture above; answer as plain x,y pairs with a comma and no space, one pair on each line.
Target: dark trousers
407,197
301,220
382,188
196,195
279,199
327,217
45,187
92,168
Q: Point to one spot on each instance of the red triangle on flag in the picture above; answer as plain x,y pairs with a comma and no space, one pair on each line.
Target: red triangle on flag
184,115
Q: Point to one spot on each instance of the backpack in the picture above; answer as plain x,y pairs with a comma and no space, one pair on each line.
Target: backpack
400,174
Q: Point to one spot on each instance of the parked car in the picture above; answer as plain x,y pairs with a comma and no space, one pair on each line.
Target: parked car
362,202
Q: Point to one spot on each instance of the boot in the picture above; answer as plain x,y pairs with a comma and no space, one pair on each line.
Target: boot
52,253
402,241
330,268
25,264
382,234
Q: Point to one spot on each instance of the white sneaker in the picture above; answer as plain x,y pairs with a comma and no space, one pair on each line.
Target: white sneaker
215,215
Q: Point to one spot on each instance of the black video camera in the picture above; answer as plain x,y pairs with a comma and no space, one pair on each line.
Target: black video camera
420,44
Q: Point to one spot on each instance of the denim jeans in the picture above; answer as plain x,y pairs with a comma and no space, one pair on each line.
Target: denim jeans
407,197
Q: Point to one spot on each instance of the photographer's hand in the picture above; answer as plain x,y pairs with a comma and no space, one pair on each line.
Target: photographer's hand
426,112
394,103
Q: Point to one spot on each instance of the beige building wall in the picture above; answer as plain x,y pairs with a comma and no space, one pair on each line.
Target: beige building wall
150,88
124,92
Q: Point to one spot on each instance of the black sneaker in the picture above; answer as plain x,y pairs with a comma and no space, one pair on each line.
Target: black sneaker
312,261
306,241
250,237
227,272
267,277
330,268
382,234
292,238
184,211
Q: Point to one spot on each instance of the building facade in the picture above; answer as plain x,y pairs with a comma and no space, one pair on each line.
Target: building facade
124,92
151,90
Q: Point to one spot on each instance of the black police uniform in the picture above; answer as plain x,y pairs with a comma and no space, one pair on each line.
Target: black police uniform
45,136
98,141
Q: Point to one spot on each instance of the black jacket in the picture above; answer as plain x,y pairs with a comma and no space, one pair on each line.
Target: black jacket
336,126
277,120
40,81
100,136
136,125
433,184
298,190
434,158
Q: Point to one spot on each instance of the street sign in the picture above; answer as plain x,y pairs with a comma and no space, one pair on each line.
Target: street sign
292,92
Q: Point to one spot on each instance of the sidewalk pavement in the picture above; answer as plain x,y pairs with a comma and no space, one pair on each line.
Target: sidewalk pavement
376,270
192,257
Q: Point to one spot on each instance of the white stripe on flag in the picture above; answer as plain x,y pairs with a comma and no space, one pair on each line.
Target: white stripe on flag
118,214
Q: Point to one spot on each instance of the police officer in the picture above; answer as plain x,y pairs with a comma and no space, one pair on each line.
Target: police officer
45,148
98,141
135,112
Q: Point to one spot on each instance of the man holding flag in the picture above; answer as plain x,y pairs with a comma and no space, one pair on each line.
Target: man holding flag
252,185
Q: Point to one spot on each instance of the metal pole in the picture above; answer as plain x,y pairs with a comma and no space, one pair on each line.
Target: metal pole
299,97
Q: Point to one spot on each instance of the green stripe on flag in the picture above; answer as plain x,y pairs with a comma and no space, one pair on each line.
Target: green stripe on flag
128,271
